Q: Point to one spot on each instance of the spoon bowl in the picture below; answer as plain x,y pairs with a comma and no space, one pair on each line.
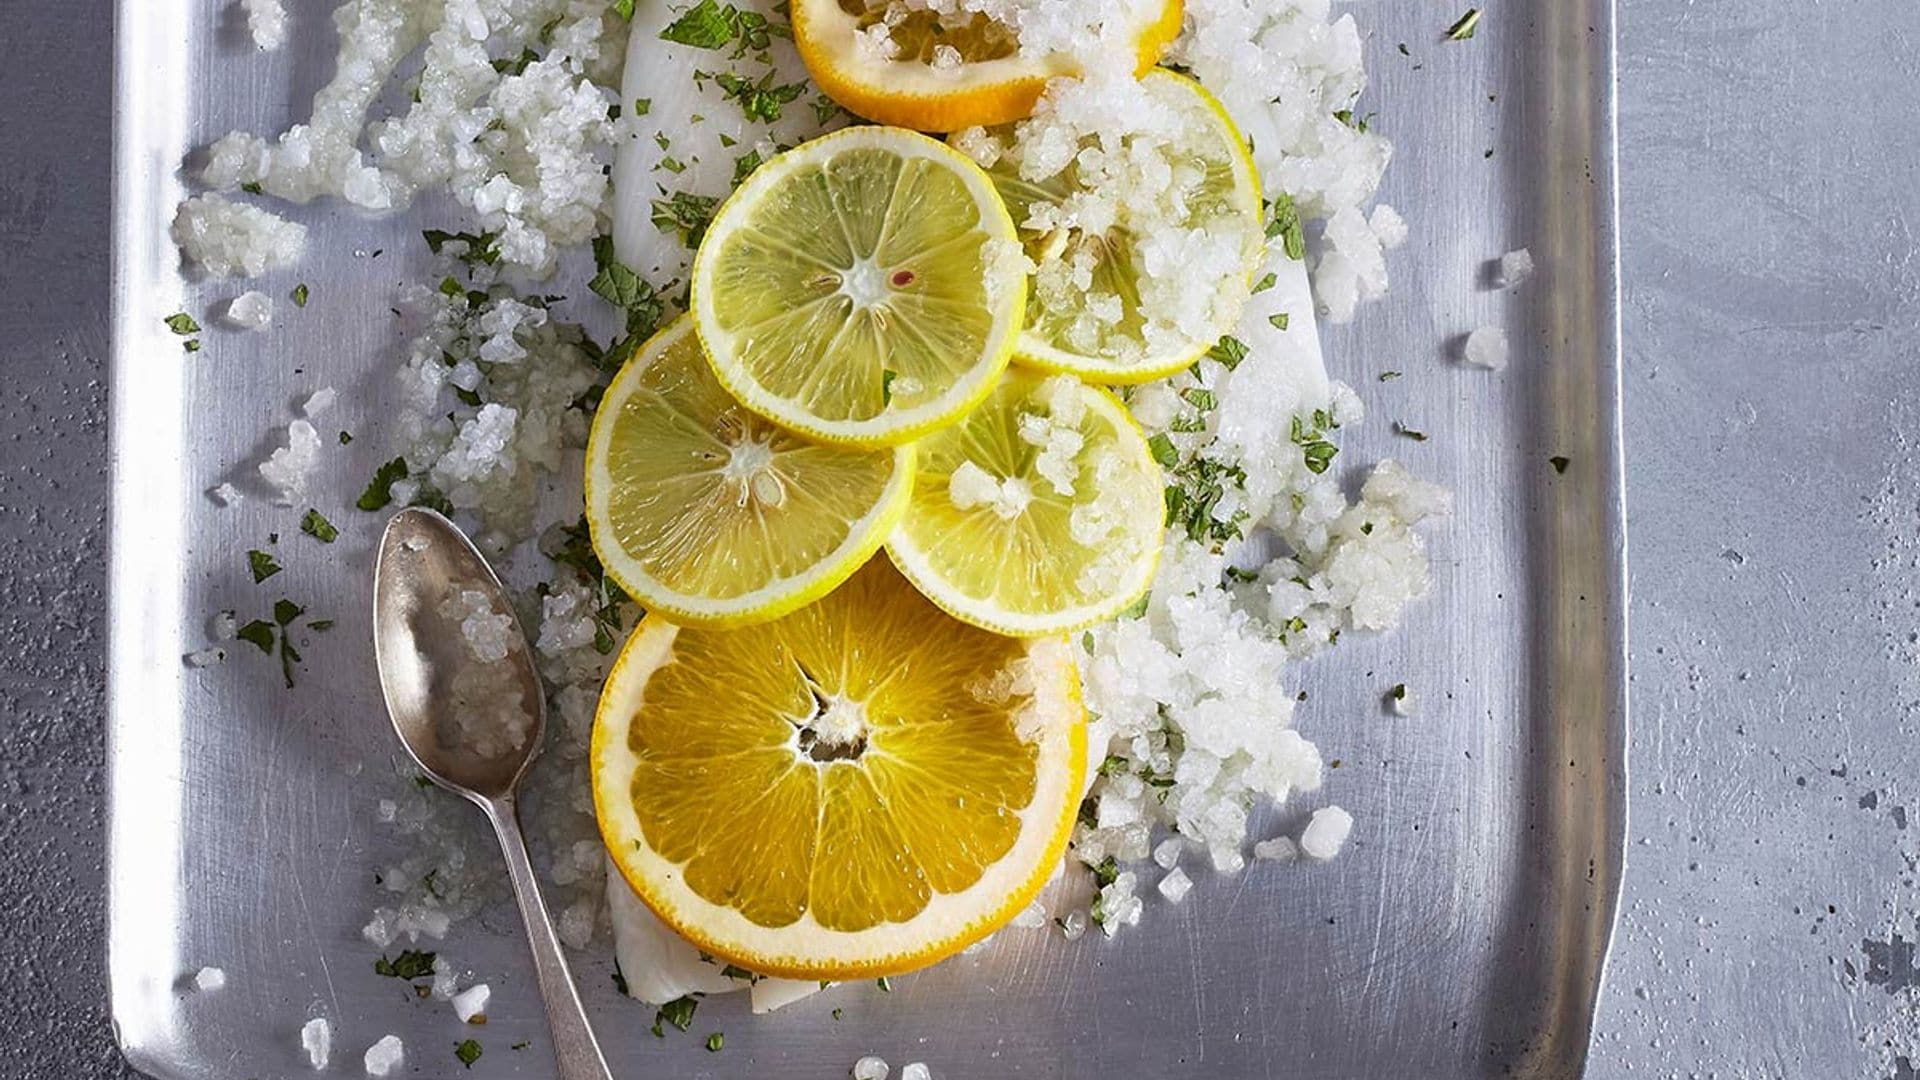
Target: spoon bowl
466,701
426,567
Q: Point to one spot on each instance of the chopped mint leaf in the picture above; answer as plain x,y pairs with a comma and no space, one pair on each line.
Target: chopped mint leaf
262,565
1286,227
735,971
259,633
469,398
1279,321
1105,872
1559,463
300,295
346,437
678,1012
744,165
839,1013
642,106
181,323
885,984
1229,351
316,525
524,1043
1204,400
1403,49
411,964
1163,450
285,611
1389,376
673,165
685,215
1086,641
1464,27
1266,283
467,1051
618,285
619,979
706,25
320,625
252,187
191,345
886,386
715,1041
1136,609
1402,429
759,100
475,247
380,491
516,65
825,109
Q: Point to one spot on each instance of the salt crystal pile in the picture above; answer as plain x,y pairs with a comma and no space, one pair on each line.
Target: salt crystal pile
1487,347
1326,832
266,23
316,1038
382,1057
250,311
225,494
1278,849
229,239
209,979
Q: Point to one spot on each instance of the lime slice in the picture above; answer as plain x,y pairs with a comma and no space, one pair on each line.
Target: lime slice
712,516
1040,513
862,288
1144,243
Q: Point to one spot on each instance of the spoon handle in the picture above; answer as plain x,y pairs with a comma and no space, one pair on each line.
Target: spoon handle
574,1046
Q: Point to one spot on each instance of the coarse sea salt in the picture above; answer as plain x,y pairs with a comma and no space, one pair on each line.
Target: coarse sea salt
471,1003
208,979
289,469
319,402
225,494
316,1038
251,310
1175,885
1326,832
230,239
1516,267
914,1070
1486,347
200,658
870,1068
384,1056
266,23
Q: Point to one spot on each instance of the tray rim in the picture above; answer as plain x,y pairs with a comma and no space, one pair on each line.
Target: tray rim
140,197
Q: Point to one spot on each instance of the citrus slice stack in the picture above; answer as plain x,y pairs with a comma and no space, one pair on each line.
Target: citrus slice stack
1042,512
707,513
857,789
895,65
1210,196
864,288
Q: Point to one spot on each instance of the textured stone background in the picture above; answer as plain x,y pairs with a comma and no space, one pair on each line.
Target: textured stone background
1769,155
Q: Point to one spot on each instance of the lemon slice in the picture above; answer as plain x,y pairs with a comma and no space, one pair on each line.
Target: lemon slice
918,69
862,288
1143,263
858,789
709,514
1041,513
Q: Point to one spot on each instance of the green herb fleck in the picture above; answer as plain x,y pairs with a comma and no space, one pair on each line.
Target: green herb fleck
887,376
735,971
678,1012
1228,351
1105,872
320,625
1559,463
475,247
259,633
715,1041
706,25
620,286
744,165
380,491
1137,608
1163,450
1286,227
1314,447
759,100
467,1051
191,345
1389,376
469,398
411,964
885,984
262,565
684,214
316,525
1464,27
1402,429
285,611
1266,283
252,187
1279,321
839,1013
524,1043
300,295
642,106
182,323
619,979
1204,400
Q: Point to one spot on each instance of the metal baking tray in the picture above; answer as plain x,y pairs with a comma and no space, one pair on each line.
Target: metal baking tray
1462,934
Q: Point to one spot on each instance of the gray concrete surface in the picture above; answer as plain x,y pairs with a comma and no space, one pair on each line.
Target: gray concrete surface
1769,155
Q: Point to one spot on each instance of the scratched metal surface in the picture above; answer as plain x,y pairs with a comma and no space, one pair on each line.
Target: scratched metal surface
1770,287
1463,932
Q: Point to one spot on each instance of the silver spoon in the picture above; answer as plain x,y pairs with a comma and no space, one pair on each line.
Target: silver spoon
426,665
